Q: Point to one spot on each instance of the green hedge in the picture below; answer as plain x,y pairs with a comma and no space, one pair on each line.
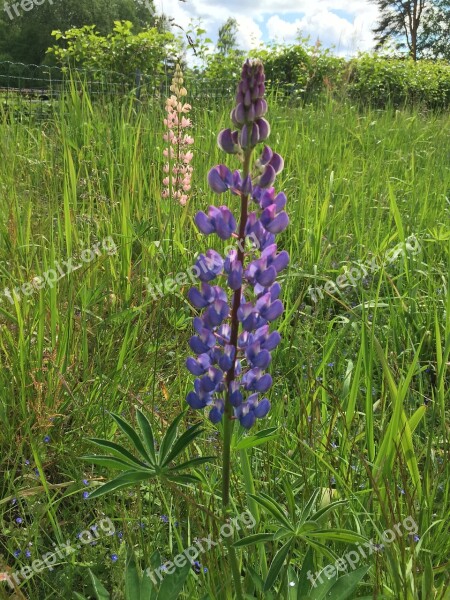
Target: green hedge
309,73
380,81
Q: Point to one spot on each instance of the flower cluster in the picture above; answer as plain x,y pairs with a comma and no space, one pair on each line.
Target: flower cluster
177,182
233,341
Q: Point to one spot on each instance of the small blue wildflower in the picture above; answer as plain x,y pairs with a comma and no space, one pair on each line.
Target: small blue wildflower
19,520
14,501
119,535
85,481
114,557
27,462
17,553
205,569
197,566
416,538
47,439
36,472
27,553
331,364
85,495
164,518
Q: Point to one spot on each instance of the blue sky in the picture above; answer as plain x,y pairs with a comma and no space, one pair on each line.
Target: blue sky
344,25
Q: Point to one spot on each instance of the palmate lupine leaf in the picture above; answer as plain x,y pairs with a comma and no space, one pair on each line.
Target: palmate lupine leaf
169,439
306,512
183,441
281,533
322,511
132,436
273,507
338,535
119,451
277,564
124,480
147,435
107,461
154,463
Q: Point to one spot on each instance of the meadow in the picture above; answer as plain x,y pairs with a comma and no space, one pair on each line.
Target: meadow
357,437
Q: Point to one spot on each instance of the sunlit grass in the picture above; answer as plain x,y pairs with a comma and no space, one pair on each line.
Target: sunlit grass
358,183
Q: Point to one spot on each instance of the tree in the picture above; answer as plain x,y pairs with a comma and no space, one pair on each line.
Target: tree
400,20
28,33
436,28
227,36
422,26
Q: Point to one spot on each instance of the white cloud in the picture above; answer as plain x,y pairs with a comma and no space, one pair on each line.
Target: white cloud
249,34
332,30
315,18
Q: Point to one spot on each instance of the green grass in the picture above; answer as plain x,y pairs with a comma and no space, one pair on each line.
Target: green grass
360,397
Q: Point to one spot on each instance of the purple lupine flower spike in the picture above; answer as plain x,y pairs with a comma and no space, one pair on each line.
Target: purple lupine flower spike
233,341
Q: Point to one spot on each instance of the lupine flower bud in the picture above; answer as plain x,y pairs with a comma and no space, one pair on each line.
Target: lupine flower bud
227,141
233,342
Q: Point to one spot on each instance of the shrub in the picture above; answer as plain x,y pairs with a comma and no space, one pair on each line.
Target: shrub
121,51
378,81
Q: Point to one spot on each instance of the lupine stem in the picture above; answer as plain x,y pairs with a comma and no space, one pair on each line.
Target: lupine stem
218,343
226,468
228,411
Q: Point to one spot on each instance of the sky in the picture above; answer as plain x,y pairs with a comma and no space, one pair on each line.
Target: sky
343,25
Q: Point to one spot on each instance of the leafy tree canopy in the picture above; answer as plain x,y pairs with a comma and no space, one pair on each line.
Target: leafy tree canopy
420,26
26,35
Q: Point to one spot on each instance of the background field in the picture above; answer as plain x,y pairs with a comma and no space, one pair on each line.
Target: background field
358,181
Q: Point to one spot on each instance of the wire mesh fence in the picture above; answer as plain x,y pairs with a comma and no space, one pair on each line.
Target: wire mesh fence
36,89
32,90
